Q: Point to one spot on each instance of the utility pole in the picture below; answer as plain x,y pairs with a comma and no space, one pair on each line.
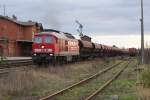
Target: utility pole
142,33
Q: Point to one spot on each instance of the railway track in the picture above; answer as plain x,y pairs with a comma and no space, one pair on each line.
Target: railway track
93,95
15,63
8,66
84,81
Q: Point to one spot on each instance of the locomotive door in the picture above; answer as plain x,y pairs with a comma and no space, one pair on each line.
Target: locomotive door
61,45
66,45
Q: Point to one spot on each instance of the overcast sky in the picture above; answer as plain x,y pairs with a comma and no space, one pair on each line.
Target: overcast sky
99,17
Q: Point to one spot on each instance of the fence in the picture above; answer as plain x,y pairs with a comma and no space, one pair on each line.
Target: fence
146,56
1,53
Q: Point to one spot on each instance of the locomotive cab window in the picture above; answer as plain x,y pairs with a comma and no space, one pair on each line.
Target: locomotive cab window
38,40
48,40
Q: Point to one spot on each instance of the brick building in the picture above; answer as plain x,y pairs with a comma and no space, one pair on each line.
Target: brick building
16,36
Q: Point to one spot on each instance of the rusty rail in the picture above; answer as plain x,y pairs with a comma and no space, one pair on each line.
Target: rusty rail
11,65
106,84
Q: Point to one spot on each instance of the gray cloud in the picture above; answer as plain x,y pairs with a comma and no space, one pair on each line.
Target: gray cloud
97,16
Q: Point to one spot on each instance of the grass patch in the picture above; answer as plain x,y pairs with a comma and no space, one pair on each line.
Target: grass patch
123,87
37,82
144,93
145,77
124,84
128,97
21,85
17,84
144,89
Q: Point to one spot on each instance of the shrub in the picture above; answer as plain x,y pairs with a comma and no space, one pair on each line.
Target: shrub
18,83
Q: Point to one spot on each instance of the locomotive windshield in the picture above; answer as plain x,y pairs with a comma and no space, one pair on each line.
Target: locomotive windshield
48,40
43,39
38,40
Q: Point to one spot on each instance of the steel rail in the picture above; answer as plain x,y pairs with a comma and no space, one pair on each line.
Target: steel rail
4,71
14,61
80,82
106,84
9,64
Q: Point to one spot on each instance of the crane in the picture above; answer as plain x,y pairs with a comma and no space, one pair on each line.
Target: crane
80,28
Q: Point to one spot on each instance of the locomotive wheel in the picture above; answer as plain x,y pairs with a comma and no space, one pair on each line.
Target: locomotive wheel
54,61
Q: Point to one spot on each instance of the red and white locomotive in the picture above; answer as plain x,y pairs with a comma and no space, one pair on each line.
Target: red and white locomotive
50,46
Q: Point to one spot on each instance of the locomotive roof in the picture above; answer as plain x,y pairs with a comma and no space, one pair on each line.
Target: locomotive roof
50,30
58,34
57,31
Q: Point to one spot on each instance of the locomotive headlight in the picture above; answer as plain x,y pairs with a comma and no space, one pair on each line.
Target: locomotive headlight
51,54
34,54
42,47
